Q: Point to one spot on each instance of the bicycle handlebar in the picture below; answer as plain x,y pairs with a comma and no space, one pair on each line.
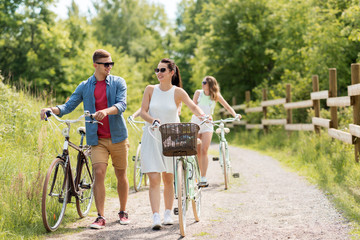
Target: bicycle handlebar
132,120
226,120
86,114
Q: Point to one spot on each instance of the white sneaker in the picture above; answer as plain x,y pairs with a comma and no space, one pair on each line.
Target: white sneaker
156,221
203,182
167,218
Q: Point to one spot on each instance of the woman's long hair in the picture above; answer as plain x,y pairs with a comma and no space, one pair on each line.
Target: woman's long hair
176,78
214,87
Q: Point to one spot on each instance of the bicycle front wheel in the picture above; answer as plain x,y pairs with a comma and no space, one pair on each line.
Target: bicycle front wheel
196,201
138,175
224,164
181,191
55,195
85,188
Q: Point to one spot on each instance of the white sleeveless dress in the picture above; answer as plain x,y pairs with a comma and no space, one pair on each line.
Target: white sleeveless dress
162,106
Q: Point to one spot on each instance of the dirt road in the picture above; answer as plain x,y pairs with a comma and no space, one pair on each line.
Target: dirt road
266,202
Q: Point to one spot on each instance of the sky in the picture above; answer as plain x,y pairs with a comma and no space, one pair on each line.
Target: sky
62,5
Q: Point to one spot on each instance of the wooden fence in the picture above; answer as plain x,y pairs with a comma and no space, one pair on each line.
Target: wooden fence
332,101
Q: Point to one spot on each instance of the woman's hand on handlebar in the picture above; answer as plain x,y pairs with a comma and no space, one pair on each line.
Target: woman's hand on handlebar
156,123
238,117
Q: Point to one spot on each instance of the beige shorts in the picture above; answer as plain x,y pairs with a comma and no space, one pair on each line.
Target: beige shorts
118,152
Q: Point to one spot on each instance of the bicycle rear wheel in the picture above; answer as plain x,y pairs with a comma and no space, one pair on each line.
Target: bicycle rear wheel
55,195
85,188
181,192
138,175
224,164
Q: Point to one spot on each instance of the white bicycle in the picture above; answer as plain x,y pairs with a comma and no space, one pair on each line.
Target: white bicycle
139,178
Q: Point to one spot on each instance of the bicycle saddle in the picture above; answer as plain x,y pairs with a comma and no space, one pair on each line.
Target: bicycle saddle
81,130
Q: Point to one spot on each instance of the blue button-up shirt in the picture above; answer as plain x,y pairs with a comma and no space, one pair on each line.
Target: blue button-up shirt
116,96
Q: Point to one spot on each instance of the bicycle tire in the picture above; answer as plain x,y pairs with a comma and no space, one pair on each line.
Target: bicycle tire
228,164
55,195
224,163
138,175
196,202
85,188
181,192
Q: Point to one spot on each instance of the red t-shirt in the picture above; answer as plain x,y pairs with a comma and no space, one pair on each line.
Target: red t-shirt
100,104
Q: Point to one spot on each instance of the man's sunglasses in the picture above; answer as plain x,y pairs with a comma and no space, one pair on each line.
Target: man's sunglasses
204,82
157,70
107,64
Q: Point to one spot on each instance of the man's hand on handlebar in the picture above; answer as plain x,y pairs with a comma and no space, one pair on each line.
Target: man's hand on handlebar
100,115
43,115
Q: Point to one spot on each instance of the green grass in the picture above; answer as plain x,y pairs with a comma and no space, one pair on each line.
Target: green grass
328,163
27,148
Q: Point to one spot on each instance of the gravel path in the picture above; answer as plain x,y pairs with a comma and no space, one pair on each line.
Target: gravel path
266,202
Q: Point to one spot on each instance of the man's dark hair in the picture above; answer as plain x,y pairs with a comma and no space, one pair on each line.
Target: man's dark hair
100,53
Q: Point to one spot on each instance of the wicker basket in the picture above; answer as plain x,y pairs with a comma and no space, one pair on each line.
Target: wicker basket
179,139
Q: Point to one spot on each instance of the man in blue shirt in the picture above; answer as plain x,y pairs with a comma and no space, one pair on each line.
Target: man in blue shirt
105,96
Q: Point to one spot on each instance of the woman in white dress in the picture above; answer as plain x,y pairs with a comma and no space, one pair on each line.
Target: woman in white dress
160,104
206,99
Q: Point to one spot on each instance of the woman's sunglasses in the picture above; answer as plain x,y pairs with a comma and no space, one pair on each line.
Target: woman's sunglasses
108,64
204,82
157,70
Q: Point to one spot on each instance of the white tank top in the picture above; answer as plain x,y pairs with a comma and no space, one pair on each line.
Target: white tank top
206,104
162,105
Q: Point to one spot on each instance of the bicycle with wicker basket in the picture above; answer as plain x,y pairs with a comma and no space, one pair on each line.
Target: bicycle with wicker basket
179,140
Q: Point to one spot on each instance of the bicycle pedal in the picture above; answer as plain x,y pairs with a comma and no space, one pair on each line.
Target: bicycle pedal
85,186
61,200
236,175
133,158
215,159
176,211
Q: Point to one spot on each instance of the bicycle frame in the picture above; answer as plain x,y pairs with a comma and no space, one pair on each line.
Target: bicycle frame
74,184
223,140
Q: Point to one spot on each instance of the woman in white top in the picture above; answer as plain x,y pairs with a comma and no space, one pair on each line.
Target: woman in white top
206,99
160,104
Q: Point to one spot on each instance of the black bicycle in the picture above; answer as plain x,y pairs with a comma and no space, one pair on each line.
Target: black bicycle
61,185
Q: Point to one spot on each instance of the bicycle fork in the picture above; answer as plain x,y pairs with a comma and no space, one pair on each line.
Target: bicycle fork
226,160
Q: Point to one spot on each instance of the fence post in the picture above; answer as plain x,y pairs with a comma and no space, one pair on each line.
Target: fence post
233,100
288,99
355,79
333,93
247,98
316,103
264,98
289,111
